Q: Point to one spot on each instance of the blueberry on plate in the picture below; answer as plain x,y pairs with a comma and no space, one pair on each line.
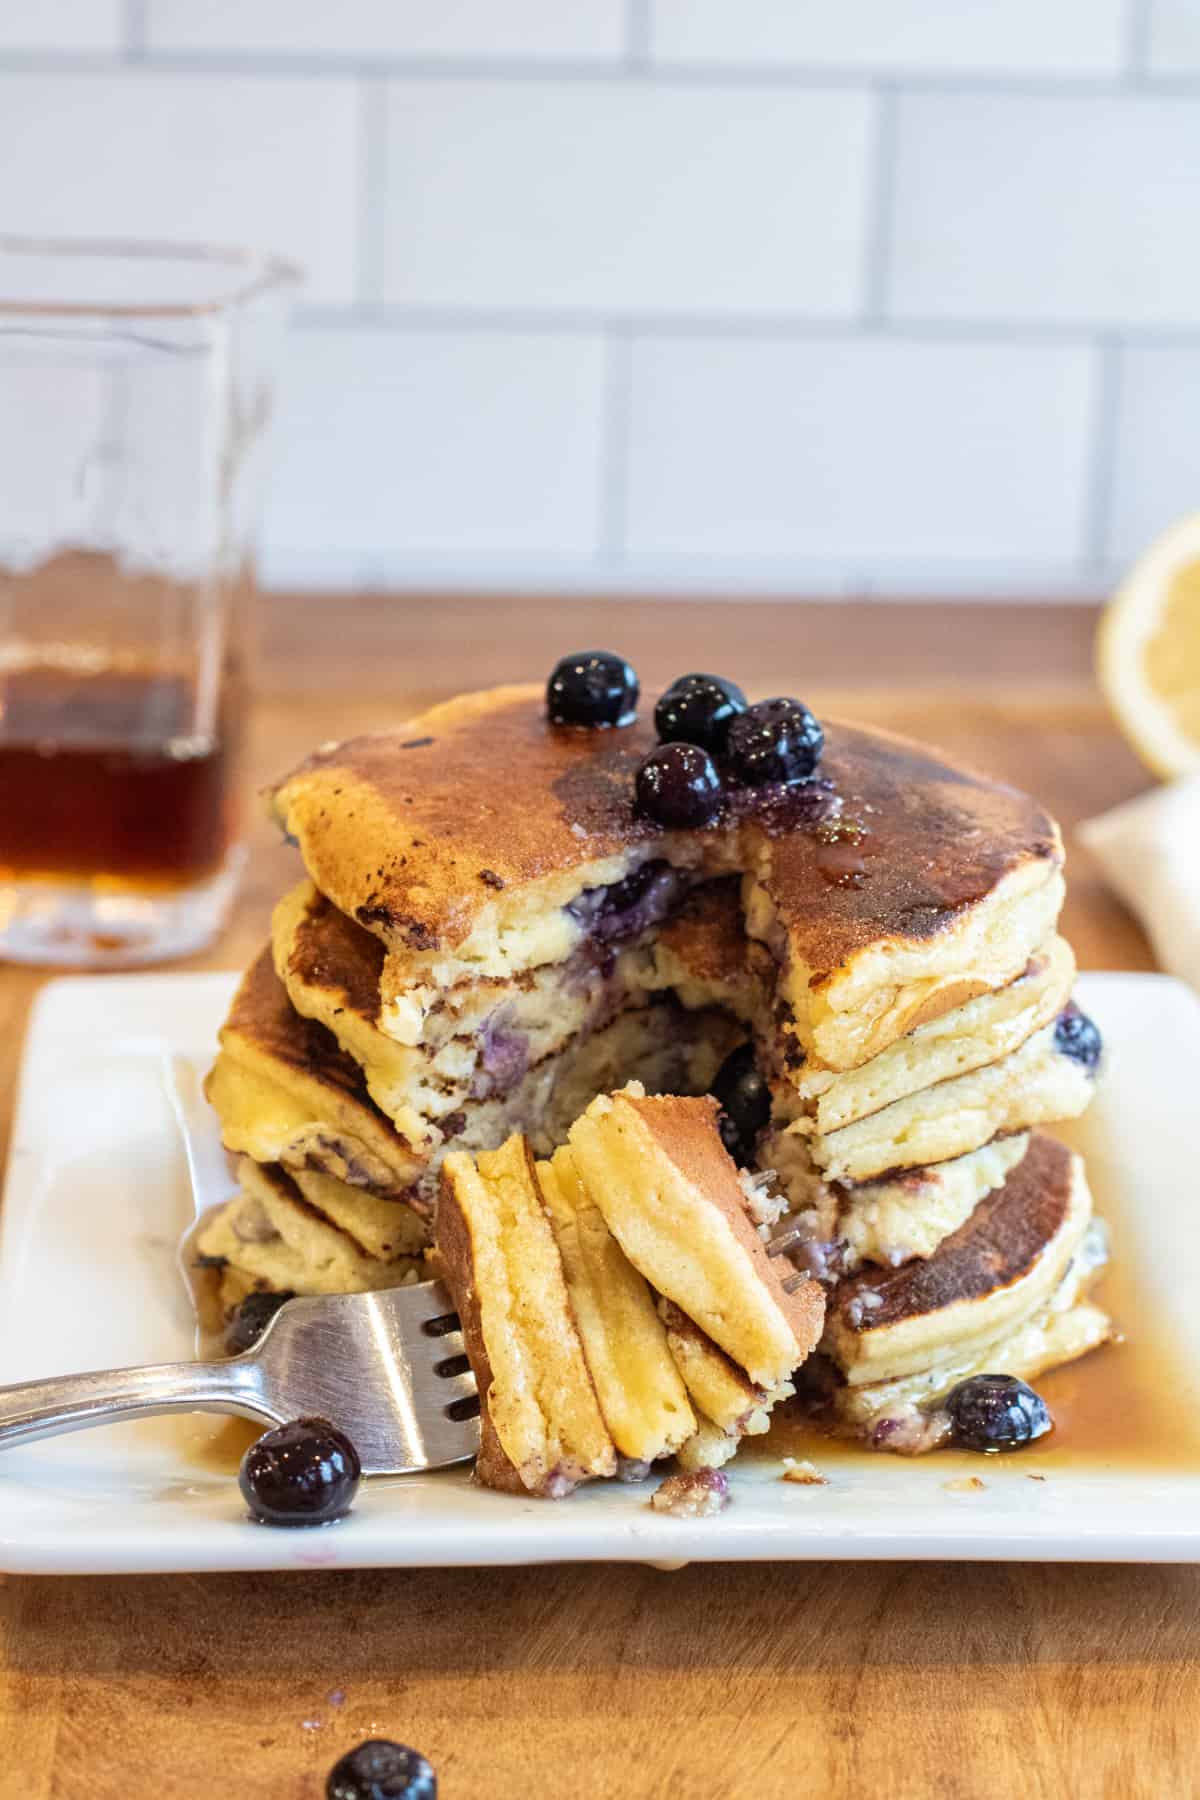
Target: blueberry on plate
745,1102
678,785
594,688
1078,1037
303,1473
775,741
381,1770
251,1320
996,1412
699,709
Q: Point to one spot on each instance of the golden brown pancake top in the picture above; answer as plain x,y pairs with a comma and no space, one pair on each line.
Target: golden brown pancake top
998,1245
935,841
329,951
263,1015
415,831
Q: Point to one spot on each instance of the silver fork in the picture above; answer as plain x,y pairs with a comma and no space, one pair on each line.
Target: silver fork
387,1368
790,1239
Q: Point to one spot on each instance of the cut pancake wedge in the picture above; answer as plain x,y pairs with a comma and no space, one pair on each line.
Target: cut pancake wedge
729,1407
641,1392
672,1198
542,1428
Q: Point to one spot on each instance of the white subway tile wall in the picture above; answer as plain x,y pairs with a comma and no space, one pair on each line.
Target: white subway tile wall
624,197
1158,421
135,153
63,25
991,37
1047,209
1175,37
888,296
529,30
385,432
967,450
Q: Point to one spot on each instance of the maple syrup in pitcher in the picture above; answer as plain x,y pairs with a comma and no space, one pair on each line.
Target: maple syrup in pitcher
136,395
105,780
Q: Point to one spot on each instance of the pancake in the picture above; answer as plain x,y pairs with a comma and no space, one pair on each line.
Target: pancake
483,1040
542,1429
300,1236
1038,1083
947,894
526,1055
903,1415
566,1336
972,1036
997,1270
478,841
330,968
285,1093
671,1196
835,1229
640,1389
702,955
729,1407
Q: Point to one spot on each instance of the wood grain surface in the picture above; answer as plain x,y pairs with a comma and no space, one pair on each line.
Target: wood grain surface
611,1682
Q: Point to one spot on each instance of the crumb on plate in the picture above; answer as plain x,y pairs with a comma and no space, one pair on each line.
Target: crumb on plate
805,1473
694,1495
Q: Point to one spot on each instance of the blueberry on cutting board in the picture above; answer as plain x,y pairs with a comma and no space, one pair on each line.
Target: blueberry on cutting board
381,1770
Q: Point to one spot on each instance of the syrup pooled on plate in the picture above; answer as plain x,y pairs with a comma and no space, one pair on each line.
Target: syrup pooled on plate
1114,1408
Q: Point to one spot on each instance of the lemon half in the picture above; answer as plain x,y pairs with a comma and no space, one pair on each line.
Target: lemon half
1148,653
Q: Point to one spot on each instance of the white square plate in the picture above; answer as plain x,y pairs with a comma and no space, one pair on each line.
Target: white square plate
98,1199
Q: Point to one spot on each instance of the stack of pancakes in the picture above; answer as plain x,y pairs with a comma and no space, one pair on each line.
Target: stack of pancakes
489,936
618,1303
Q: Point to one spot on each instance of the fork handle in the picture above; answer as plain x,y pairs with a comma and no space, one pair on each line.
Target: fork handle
40,1409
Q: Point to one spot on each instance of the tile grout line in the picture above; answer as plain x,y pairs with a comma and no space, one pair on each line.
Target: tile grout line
637,35
1102,472
135,34
879,207
571,321
613,504
798,78
372,191
1137,24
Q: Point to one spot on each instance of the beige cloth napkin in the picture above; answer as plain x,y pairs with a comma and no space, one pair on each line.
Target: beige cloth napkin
1150,851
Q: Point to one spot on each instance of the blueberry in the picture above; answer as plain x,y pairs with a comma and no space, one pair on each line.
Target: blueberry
996,1412
380,1770
592,687
304,1473
251,1320
1077,1036
629,907
775,740
745,1101
699,709
678,784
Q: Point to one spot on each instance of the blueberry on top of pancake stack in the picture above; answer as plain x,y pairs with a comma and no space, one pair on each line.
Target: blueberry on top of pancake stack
526,897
